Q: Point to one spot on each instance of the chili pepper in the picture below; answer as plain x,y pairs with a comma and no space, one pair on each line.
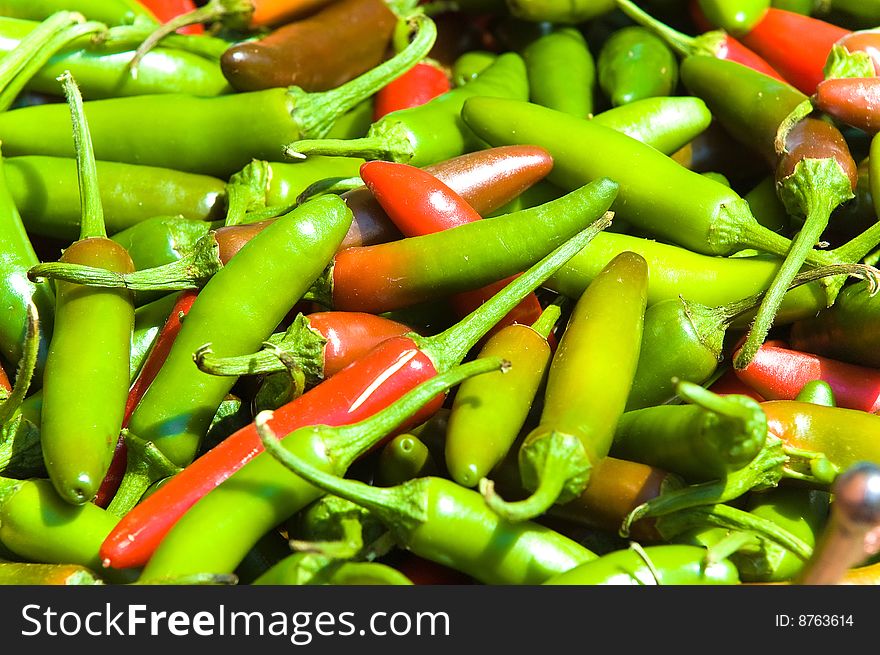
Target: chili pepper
46,192
711,281
356,392
779,373
36,524
855,515
634,64
706,439
666,124
858,214
709,219
213,135
404,458
653,565
148,320
486,417
684,340
452,526
46,574
556,11
729,383
308,235
418,85
431,132
713,150
420,204
333,448
102,65
579,412
569,88
734,16
321,344
852,100
165,10
302,568
844,330
320,52
844,435
389,276
468,66
795,45
87,365
16,256
817,392
112,12
715,43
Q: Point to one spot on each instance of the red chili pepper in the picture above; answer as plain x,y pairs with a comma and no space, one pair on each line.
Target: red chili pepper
779,373
151,366
165,10
418,204
729,383
419,84
867,41
795,45
852,100
358,391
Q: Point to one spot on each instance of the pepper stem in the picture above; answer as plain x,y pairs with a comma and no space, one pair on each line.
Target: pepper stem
548,318
192,271
551,483
26,366
146,463
92,222
216,10
807,188
386,146
859,246
317,112
451,345
724,406
34,50
335,185
246,191
349,546
682,44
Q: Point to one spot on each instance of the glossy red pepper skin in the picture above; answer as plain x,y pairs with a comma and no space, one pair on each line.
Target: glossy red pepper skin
165,10
797,46
852,100
419,84
355,393
779,373
317,53
419,203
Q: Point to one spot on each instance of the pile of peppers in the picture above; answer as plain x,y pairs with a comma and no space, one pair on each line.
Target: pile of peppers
345,292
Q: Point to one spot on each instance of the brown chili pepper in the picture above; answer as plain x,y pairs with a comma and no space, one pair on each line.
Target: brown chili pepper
318,53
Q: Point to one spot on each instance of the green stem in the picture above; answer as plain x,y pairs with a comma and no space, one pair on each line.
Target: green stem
317,112
146,463
727,546
859,246
246,190
92,222
348,547
335,185
212,12
682,44
387,147
814,225
549,317
26,366
451,345
552,478
725,406
192,271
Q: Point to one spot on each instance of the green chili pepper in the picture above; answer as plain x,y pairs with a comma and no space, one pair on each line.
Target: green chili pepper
302,568
112,12
354,123
404,458
654,565
36,524
235,312
445,523
46,192
703,440
431,132
162,239
211,135
710,219
569,87
559,11
635,64
581,407
87,367
817,392
16,573
468,66
734,16
16,257
488,412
